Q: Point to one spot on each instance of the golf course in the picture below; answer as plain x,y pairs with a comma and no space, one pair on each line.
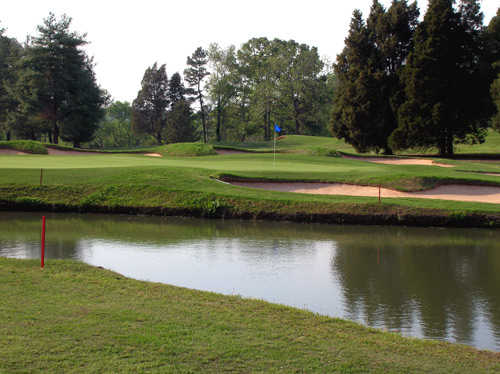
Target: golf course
173,329
200,180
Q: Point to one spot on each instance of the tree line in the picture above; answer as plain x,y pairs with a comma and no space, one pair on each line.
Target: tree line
405,84
399,83
239,94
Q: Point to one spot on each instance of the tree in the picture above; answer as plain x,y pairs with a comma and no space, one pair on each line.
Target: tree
194,75
149,109
357,95
221,86
176,89
300,86
11,52
87,108
368,72
57,60
442,71
180,127
493,47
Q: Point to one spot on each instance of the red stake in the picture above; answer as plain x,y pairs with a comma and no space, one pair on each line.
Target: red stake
379,193
42,257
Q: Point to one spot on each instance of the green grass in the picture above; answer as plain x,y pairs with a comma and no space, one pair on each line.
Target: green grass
28,146
72,317
318,145
188,185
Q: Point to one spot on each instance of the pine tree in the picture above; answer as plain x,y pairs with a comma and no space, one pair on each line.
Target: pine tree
194,75
368,71
441,73
176,89
493,48
356,99
149,109
10,55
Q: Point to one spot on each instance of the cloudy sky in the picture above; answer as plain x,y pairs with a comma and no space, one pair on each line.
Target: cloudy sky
128,36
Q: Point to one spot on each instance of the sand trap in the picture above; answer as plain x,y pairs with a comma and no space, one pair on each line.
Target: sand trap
11,152
60,152
153,155
482,194
400,161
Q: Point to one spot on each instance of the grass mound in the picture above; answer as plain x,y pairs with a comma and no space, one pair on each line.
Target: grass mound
186,149
28,146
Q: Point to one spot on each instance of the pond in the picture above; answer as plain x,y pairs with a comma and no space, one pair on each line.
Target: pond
431,283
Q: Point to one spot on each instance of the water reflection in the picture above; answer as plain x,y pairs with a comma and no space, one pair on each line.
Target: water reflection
434,283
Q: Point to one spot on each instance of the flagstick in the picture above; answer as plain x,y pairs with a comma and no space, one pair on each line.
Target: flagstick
274,149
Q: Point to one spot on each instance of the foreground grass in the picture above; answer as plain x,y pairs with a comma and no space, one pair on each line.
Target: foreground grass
75,318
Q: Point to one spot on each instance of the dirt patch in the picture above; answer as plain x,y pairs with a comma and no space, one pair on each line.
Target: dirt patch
401,161
153,155
482,194
61,152
12,152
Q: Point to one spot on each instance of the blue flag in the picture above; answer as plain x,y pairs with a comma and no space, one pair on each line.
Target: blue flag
277,128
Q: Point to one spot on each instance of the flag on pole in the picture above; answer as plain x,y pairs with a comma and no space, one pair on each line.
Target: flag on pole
277,128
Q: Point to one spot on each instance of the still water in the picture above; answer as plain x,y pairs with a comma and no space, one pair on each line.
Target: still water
426,282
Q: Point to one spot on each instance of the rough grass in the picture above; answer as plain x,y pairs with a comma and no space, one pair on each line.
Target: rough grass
71,317
28,146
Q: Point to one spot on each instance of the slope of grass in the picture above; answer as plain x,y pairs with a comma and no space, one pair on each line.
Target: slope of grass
75,318
188,185
28,146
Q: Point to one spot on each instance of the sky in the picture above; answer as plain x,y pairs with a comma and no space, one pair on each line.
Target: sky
128,36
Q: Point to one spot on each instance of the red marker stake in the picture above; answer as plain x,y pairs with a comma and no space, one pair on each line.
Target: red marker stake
42,257
379,193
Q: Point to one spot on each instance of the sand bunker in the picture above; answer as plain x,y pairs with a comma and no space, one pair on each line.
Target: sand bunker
11,152
61,152
400,161
153,155
482,194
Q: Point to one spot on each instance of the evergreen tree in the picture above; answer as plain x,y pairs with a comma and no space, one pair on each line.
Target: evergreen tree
493,48
56,58
356,99
180,126
194,76
149,109
176,89
368,72
87,108
442,71
10,54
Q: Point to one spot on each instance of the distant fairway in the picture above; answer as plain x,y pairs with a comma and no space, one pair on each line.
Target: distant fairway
103,181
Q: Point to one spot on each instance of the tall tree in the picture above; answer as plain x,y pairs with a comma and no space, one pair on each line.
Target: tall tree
368,71
149,109
11,52
194,76
441,72
222,83
357,95
56,57
493,48
87,108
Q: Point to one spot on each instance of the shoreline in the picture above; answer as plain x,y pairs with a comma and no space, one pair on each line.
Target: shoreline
223,207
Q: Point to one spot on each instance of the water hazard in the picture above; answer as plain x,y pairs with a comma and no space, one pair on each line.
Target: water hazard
426,282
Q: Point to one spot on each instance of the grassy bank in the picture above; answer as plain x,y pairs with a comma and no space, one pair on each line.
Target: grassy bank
172,185
75,318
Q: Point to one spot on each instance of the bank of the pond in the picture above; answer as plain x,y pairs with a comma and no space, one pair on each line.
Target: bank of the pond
74,317
140,199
